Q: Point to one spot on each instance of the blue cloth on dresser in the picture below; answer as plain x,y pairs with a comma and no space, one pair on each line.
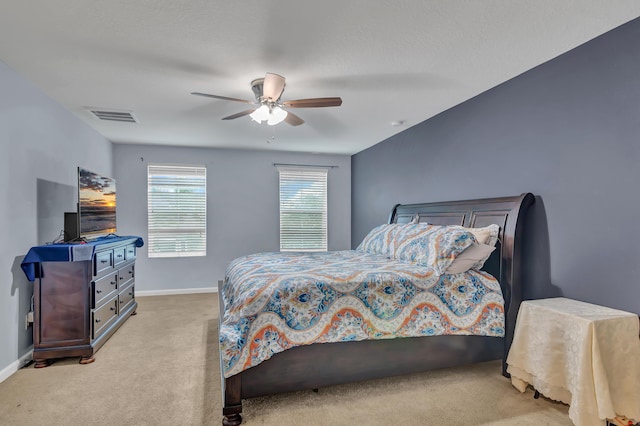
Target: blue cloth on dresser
64,252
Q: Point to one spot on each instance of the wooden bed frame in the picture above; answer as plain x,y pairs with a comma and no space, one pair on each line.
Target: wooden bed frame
320,365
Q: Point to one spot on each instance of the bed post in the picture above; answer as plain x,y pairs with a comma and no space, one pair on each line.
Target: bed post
392,215
512,271
232,407
231,386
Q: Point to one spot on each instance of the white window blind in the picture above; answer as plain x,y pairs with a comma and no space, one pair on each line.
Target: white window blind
303,209
177,210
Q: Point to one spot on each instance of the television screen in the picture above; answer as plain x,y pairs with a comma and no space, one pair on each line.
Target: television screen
96,204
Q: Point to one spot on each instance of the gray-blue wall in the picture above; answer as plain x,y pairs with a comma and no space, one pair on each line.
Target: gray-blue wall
567,131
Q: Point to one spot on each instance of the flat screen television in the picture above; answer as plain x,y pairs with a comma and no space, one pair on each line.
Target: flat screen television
96,215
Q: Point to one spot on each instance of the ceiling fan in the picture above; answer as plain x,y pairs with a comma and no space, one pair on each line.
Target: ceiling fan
269,107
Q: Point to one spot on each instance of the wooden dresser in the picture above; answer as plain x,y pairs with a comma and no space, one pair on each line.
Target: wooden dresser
81,296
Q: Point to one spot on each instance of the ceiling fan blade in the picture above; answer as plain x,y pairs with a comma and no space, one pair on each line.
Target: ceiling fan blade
224,98
313,103
239,114
293,119
273,86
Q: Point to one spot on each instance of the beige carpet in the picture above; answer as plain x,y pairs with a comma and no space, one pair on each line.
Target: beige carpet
161,368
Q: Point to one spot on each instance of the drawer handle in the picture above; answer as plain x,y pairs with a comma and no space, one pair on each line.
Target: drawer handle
121,302
113,308
119,256
130,272
103,261
98,291
113,283
130,293
97,320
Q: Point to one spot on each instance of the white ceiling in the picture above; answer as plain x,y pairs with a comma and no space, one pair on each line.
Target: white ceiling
389,60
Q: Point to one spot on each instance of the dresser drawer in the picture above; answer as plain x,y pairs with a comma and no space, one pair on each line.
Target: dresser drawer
102,261
104,288
104,316
126,275
126,298
118,256
130,252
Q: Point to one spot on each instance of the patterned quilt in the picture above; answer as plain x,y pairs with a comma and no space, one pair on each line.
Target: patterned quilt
276,301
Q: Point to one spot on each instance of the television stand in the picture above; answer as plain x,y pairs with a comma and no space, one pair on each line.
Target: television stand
82,294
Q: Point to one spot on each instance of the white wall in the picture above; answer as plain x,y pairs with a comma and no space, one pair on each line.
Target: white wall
41,145
242,208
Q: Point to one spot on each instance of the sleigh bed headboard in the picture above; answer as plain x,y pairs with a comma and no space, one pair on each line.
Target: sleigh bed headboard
505,262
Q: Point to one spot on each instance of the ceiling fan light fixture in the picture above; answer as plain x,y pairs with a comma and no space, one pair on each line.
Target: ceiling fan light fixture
267,104
261,114
276,115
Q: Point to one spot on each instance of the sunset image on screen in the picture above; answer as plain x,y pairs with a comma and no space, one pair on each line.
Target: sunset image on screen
97,199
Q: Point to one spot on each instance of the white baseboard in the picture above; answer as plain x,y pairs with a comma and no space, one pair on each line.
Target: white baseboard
143,293
15,366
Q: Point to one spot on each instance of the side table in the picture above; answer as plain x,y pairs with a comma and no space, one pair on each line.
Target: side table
584,355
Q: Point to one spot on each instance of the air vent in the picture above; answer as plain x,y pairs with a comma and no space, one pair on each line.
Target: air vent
111,115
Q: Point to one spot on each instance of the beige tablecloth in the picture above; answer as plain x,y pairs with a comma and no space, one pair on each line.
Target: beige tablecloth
584,355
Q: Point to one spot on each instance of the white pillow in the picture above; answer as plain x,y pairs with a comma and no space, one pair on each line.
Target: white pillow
469,257
487,235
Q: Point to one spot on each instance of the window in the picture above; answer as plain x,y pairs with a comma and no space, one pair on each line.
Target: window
177,210
303,209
